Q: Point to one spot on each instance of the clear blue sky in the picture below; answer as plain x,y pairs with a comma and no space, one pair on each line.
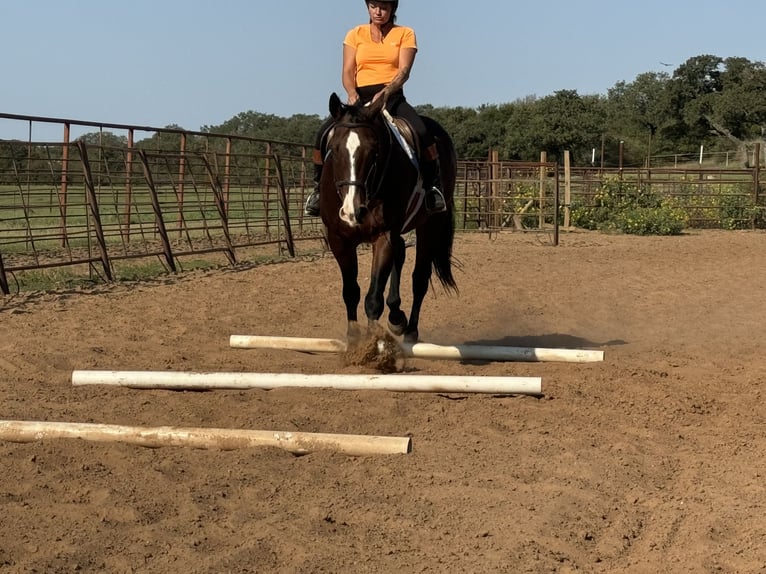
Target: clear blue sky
195,63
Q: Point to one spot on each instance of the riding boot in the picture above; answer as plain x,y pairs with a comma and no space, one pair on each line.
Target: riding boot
312,202
434,200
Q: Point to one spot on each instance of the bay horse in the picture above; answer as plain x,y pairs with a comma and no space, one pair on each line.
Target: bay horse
371,192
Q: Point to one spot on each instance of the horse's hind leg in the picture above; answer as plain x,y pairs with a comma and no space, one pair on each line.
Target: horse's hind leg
397,319
421,276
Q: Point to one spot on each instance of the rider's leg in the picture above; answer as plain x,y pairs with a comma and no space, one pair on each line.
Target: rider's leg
429,159
312,202
434,198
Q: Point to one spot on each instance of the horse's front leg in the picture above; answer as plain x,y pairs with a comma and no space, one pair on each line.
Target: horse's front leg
382,263
397,319
346,257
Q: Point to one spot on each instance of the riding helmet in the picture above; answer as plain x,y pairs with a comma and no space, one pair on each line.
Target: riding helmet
394,2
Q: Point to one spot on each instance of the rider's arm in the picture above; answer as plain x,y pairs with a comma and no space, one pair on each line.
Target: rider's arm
349,73
406,60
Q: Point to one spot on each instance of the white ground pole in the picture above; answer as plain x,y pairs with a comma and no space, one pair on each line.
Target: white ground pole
424,350
212,438
205,381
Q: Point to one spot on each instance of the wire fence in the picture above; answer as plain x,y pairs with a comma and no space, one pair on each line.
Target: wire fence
105,204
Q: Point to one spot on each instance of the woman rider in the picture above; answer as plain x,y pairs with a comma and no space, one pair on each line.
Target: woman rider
377,60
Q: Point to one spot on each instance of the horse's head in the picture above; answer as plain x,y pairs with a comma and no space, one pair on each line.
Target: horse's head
357,146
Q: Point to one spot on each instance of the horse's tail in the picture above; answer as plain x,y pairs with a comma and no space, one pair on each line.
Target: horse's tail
442,254
441,226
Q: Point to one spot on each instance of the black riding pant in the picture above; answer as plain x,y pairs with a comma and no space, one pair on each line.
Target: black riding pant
397,105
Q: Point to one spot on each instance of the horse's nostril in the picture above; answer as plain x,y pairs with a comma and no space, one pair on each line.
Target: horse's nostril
360,213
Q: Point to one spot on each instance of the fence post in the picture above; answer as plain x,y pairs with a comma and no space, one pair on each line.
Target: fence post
622,155
495,203
92,199
128,184
756,182
222,213
284,205
157,211
541,218
227,175
556,201
267,177
181,178
567,188
64,181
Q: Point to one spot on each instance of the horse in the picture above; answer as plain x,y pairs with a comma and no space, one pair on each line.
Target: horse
371,192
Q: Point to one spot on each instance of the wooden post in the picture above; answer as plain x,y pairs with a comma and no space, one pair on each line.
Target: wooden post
345,382
219,438
423,350
543,160
556,202
567,189
622,150
496,201
756,182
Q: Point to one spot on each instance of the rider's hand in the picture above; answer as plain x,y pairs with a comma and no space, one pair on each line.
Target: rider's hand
352,99
381,94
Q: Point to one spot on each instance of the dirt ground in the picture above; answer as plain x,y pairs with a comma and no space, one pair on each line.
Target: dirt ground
650,461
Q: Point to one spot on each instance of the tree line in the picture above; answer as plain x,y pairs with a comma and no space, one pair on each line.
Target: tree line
707,101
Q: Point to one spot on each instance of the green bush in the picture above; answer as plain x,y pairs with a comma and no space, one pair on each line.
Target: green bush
650,221
626,207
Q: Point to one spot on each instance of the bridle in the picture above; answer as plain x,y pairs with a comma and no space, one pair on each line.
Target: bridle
374,177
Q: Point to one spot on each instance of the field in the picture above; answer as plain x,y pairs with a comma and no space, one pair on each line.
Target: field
651,461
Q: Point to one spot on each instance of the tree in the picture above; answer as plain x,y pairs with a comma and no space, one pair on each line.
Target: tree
638,111
691,96
299,128
557,123
107,161
739,110
464,127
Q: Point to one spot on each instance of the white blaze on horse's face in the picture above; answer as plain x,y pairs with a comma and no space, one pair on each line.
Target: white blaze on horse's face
347,211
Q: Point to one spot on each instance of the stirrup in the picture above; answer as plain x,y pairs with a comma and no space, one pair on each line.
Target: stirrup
311,207
434,200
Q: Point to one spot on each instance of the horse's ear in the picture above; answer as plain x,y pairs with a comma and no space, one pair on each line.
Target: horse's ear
375,107
336,106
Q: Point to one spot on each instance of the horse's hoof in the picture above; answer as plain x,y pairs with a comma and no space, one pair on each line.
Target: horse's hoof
354,332
396,330
397,325
411,337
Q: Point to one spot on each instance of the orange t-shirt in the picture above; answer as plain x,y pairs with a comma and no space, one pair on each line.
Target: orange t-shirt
378,63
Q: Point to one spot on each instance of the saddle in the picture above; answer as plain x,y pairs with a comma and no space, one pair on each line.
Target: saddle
408,134
407,138
405,129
